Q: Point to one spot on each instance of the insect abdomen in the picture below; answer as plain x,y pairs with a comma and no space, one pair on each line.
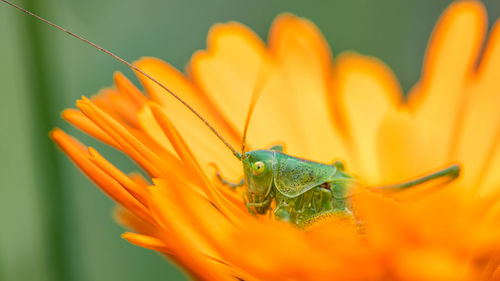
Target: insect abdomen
317,201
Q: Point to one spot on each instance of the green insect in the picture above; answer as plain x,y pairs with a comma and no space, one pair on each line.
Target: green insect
301,189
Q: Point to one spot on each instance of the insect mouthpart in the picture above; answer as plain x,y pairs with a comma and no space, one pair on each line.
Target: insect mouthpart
257,203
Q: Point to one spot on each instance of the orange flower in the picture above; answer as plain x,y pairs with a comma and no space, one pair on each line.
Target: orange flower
352,110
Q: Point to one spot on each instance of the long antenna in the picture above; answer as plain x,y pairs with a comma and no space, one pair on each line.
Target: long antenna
260,82
235,153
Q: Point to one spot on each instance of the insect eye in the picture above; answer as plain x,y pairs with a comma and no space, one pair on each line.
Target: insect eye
258,167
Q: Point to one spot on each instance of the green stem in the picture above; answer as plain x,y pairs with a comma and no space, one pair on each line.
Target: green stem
46,159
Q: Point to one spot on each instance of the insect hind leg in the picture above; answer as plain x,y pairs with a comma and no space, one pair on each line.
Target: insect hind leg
448,174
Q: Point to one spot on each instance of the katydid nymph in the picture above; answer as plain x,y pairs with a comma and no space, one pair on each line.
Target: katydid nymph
289,188
303,189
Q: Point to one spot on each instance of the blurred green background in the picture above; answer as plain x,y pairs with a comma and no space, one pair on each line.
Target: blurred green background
54,225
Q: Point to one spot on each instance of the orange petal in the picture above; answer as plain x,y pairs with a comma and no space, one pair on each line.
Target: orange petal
105,100
366,90
185,89
137,191
277,251
128,89
205,145
143,136
79,120
79,155
202,267
430,264
449,63
131,145
380,215
131,221
478,140
151,128
235,65
227,71
185,153
147,242
489,178
182,209
122,107
192,248
398,147
303,56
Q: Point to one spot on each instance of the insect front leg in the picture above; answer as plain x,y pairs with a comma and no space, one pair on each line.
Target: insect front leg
257,207
228,183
